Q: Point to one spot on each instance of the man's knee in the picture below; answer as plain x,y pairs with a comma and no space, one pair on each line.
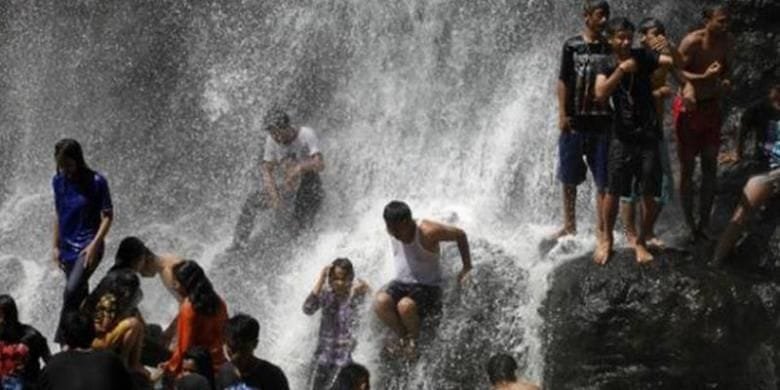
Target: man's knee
407,307
757,191
383,302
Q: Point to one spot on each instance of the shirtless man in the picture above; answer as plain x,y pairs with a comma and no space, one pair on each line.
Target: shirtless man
502,371
133,251
707,55
415,293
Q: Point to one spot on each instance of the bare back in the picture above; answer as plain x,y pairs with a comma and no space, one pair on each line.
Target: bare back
700,50
167,262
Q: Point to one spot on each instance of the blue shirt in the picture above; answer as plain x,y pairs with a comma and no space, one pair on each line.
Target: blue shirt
78,213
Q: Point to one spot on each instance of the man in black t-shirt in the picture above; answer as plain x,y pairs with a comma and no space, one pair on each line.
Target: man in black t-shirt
625,79
20,343
245,371
583,122
79,367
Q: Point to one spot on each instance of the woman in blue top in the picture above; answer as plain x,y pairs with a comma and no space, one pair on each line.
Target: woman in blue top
84,214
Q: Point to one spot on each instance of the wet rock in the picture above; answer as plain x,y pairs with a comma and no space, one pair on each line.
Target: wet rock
673,324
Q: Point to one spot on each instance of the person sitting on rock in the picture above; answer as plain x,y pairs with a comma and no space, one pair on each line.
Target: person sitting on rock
415,293
764,120
22,348
502,372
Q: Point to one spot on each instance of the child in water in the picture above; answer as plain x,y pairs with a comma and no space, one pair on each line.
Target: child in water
339,304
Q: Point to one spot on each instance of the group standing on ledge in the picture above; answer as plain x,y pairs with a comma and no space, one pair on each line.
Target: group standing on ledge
611,99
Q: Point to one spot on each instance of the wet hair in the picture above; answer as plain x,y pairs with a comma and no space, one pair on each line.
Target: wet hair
124,285
344,264
242,329
131,250
590,6
197,286
203,362
77,330
70,148
648,24
350,377
275,118
708,12
396,212
619,24
11,329
502,368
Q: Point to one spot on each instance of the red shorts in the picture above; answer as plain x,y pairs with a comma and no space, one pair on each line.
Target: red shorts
696,129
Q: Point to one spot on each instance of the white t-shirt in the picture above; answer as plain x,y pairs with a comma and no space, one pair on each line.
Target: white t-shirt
305,145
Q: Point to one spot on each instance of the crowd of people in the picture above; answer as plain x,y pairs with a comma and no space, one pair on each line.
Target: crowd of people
612,101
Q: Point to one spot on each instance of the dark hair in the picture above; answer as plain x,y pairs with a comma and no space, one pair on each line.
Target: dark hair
203,362
502,368
397,211
197,286
124,285
651,23
77,330
242,329
708,12
131,250
619,24
275,119
344,264
70,148
11,329
590,6
350,376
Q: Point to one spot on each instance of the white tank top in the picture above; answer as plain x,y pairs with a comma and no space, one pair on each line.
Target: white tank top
415,264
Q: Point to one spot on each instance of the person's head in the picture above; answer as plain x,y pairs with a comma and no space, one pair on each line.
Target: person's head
277,123
716,19
134,255
399,222
241,337
340,276
70,158
197,360
9,315
190,281
77,331
596,13
502,368
353,377
650,28
106,312
774,96
620,35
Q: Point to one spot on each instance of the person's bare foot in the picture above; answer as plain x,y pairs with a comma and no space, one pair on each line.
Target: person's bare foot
631,236
562,232
642,254
602,252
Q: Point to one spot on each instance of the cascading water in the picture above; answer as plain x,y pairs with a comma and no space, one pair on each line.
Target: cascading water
445,104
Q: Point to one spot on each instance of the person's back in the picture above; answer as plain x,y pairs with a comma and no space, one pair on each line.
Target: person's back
80,370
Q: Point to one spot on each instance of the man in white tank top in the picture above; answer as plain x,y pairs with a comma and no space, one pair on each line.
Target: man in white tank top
296,152
415,293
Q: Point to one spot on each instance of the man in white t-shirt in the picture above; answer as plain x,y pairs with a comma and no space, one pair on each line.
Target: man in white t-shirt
296,153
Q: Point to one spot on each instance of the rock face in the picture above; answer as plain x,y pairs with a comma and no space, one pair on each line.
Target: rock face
674,324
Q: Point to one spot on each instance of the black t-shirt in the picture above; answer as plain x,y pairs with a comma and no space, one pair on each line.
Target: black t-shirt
579,63
761,119
80,370
263,376
635,118
37,349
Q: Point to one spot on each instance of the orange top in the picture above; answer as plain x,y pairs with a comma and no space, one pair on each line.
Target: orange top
194,330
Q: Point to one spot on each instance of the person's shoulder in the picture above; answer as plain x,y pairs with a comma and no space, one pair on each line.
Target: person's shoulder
270,370
693,37
574,41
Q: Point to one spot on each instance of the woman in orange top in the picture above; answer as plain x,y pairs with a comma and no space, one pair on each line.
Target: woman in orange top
202,317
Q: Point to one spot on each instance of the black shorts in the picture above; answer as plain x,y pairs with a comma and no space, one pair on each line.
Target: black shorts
427,298
634,168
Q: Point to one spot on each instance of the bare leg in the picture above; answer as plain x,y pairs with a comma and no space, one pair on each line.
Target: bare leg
652,239
600,224
648,210
709,176
627,215
410,318
385,309
569,212
756,193
604,249
686,192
